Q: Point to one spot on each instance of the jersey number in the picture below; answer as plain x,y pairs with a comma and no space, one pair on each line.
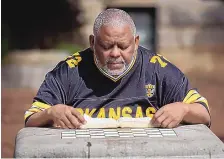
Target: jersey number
157,58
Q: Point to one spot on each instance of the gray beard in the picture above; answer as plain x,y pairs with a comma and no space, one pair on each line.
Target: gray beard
116,72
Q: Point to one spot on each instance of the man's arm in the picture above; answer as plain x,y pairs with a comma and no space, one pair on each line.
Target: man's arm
49,103
171,115
39,119
179,102
60,115
196,113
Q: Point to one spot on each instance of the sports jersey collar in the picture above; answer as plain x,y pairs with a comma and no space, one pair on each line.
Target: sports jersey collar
113,78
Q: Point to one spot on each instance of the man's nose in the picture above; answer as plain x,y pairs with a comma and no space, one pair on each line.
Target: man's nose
115,52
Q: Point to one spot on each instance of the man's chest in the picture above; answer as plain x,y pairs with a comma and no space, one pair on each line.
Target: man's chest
136,98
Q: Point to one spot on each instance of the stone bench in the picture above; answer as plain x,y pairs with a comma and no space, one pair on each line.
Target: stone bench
182,142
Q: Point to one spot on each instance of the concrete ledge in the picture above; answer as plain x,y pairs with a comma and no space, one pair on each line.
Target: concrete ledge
191,141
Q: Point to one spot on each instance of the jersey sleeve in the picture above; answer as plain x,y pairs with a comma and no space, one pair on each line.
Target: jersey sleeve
51,92
55,87
176,87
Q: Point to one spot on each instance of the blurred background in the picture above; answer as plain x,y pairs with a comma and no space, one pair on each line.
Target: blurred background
36,35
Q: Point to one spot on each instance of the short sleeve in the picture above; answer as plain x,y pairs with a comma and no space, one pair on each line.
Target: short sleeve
177,88
59,86
52,91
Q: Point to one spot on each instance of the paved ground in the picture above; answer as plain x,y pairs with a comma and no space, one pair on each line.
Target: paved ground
14,104
16,101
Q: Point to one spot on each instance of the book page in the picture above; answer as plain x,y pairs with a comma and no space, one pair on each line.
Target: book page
99,123
127,122
123,122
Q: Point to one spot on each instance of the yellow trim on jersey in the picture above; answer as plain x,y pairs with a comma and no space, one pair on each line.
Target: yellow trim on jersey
189,94
203,100
41,105
193,97
35,110
36,107
27,114
115,79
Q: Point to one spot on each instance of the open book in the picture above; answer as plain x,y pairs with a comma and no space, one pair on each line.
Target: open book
123,122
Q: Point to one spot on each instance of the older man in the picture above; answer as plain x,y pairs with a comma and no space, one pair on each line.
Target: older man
115,78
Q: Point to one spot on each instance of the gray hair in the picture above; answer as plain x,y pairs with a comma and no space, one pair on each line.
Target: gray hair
113,17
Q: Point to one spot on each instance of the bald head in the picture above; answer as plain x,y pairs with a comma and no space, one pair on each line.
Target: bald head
115,18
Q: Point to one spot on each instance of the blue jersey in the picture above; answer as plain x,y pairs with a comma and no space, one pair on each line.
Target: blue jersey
149,84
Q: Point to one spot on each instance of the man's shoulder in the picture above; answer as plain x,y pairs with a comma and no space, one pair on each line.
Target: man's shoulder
69,64
77,58
74,59
158,64
146,52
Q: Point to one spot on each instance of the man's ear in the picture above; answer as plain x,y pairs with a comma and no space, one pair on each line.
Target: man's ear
91,42
136,42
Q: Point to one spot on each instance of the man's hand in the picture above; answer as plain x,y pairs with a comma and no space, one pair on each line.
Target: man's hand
64,116
170,115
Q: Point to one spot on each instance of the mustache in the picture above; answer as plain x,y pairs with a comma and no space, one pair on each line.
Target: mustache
114,60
